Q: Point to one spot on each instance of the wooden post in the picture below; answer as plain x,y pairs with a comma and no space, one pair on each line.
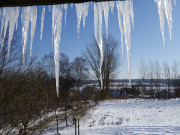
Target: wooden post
57,127
78,128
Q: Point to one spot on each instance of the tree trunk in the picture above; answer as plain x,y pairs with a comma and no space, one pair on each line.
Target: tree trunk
57,126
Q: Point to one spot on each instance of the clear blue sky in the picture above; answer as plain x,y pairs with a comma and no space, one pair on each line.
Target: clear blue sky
146,38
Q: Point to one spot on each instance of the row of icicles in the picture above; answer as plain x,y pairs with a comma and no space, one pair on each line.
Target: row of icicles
9,17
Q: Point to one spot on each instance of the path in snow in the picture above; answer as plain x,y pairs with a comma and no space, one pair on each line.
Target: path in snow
130,117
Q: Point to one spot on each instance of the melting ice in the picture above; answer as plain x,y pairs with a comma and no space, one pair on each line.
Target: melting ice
57,11
98,10
9,16
164,8
42,21
65,8
81,11
28,14
126,16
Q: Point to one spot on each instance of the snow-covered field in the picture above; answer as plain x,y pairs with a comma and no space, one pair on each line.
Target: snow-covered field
133,116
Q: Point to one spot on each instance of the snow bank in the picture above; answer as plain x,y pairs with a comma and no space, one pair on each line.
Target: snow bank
131,116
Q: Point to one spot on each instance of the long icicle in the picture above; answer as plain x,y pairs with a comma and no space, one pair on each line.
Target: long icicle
65,8
164,8
105,6
10,16
125,12
98,10
81,11
28,14
42,21
33,26
57,11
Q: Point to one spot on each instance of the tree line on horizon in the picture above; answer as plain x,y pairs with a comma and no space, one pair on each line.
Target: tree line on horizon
161,77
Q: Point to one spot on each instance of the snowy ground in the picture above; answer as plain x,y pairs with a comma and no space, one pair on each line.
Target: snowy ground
133,116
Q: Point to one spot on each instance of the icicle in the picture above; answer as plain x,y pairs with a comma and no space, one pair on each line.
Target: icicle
81,10
119,8
0,14
98,32
111,4
125,12
49,8
105,6
71,5
33,26
10,16
13,20
28,14
85,13
65,8
129,68
79,14
57,11
42,21
2,24
91,5
131,13
25,27
164,7
1,28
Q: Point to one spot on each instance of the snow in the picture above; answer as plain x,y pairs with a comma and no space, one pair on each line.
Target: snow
57,11
132,116
42,21
28,14
164,8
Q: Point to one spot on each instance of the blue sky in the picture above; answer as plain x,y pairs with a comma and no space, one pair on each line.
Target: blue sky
146,38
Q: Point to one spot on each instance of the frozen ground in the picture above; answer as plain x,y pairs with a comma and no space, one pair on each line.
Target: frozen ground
133,116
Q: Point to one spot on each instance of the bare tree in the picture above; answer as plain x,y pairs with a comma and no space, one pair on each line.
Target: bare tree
80,71
167,76
110,62
143,74
48,64
14,58
175,76
8,64
157,74
143,70
151,77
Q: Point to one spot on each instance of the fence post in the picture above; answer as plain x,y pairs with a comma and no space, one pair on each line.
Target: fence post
75,125
78,128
